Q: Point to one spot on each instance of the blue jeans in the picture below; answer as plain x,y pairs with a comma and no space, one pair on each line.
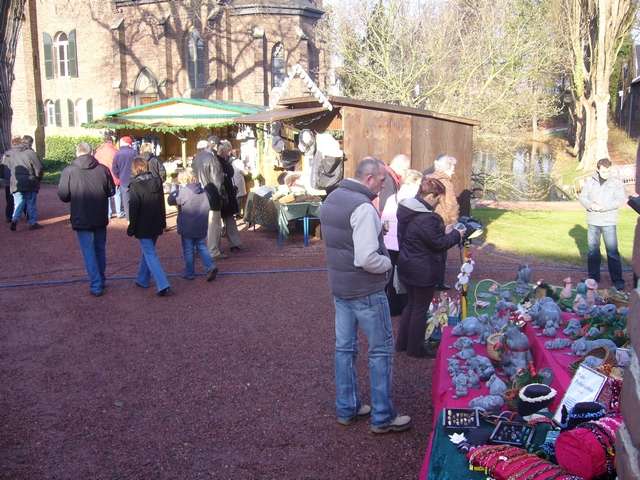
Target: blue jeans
117,200
613,255
93,245
189,247
22,201
371,313
150,265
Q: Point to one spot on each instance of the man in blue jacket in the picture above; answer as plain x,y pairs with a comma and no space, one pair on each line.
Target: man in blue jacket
122,169
603,195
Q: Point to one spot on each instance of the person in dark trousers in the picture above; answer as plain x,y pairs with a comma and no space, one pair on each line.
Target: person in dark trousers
147,221
87,185
423,244
25,170
228,198
156,168
5,180
193,218
122,169
602,196
27,140
359,267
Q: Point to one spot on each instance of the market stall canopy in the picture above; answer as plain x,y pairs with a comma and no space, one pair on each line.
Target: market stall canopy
175,114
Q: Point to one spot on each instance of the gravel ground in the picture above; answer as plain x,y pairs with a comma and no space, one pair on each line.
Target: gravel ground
229,380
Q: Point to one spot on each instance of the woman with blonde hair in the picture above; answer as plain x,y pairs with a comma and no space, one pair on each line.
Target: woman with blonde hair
408,189
154,165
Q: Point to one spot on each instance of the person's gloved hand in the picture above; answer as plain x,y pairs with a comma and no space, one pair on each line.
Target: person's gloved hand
130,231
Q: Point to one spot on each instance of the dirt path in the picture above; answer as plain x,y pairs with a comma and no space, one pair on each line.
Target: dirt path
230,380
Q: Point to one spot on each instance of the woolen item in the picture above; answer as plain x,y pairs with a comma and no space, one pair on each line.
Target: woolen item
581,412
534,397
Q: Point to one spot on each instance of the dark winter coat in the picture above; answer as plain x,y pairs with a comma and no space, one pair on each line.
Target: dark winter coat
122,165
193,210
87,185
228,199
208,171
155,166
146,207
423,244
24,169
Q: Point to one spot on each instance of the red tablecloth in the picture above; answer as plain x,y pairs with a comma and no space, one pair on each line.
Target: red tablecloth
558,360
442,387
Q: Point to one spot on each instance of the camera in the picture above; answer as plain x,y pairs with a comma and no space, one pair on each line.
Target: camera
474,228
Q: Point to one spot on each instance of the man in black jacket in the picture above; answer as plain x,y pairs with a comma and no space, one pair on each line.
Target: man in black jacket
87,185
25,170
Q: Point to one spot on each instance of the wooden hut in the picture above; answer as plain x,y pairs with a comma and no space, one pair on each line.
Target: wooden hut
377,129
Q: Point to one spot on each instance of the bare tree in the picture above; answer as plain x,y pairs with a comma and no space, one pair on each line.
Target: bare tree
11,18
595,31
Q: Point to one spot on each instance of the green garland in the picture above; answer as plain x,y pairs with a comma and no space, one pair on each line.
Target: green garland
104,124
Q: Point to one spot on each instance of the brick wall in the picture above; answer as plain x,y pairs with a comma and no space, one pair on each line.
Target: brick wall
115,44
628,441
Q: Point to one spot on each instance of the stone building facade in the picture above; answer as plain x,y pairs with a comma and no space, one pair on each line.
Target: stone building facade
628,441
78,60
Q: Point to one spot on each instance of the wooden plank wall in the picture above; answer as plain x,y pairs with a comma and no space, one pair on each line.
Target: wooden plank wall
431,137
374,133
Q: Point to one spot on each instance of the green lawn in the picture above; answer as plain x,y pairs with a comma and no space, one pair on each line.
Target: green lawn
553,235
52,170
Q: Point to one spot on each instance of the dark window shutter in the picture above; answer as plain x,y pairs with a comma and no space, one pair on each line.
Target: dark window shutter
73,57
71,113
47,41
58,113
201,64
89,110
191,61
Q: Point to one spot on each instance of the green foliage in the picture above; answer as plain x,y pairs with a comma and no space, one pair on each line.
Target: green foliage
63,149
624,56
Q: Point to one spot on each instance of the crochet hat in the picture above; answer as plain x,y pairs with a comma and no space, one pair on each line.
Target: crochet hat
534,397
580,413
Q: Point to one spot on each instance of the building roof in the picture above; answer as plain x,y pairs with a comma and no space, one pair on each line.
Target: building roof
309,105
175,114
307,8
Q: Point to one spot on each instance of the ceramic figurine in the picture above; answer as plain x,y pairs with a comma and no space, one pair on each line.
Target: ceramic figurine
592,294
496,386
482,366
567,292
545,310
523,279
573,328
468,326
545,375
462,343
460,382
593,332
581,288
582,346
474,379
557,344
488,403
550,329
608,312
516,355
580,305
453,366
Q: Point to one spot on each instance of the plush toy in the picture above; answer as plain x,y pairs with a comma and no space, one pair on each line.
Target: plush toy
496,386
488,403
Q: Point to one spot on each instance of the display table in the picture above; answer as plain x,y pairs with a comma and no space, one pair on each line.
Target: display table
273,214
440,452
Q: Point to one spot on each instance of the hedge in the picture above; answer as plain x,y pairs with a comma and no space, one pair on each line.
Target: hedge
63,149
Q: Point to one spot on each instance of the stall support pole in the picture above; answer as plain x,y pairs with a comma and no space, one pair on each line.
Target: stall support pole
183,144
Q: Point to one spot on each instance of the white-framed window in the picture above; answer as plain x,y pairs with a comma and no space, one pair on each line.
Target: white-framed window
50,112
61,47
196,60
278,65
80,112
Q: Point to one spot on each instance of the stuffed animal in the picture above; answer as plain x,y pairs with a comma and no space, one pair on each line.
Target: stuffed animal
488,403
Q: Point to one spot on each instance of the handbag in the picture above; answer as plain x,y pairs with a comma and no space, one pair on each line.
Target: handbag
634,202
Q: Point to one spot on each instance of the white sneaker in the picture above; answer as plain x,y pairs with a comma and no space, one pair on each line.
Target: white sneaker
398,424
363,411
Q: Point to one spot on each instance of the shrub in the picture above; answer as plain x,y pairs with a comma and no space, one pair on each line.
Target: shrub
63,149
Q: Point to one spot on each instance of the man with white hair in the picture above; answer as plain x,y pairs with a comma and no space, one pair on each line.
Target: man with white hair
394,172
122,169
87,185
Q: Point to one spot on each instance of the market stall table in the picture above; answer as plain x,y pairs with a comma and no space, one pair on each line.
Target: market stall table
273,214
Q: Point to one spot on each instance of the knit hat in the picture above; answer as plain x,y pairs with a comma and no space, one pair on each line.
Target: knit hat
534,397
127,140
581,412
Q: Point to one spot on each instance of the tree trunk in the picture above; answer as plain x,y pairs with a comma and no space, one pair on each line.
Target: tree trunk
11,16
602,128
578,130
588,157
